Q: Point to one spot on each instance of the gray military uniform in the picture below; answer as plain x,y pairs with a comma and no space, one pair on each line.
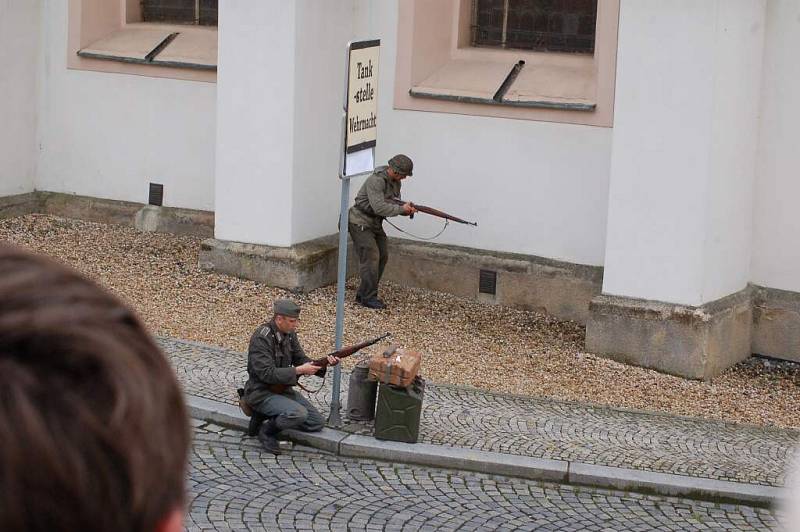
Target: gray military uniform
271,358
365,225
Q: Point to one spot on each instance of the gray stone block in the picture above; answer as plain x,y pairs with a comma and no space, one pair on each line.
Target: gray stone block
558,288
299,268
18,205
88,208
776,323
143,217
175,221
693,342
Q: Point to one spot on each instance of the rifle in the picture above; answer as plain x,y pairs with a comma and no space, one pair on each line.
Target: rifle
434,212
322,362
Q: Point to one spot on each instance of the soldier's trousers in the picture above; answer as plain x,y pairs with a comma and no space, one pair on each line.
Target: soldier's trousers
291,411
370,247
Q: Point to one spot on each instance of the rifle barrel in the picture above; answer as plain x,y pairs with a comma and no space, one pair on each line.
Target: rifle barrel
436,212
349,350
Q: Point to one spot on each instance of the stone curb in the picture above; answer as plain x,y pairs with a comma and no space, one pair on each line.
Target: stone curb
562,471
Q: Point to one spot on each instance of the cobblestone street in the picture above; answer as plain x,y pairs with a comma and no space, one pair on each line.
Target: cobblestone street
472,419
235,486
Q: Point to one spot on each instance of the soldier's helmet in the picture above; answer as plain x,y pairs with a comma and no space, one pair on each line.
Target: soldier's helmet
402,164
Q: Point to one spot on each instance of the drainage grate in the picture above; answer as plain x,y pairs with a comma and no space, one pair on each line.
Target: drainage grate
156,194
488,282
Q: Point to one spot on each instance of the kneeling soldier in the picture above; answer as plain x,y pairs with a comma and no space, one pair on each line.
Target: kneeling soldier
274,362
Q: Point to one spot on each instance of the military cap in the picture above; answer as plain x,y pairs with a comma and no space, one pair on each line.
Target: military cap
286,307
402,164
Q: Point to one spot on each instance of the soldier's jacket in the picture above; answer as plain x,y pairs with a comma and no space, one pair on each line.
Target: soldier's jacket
271,358
371,206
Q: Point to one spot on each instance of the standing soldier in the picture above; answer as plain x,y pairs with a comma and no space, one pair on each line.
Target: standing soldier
275,360
365,224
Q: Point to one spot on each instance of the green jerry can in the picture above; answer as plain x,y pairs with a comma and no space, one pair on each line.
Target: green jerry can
398,412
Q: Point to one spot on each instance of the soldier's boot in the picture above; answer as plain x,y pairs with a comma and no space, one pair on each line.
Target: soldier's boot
373,303
256,420
267,436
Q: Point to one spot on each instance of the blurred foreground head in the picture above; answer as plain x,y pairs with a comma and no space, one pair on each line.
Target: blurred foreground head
93,428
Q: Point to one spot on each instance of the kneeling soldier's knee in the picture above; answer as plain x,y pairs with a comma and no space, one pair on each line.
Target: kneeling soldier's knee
296,416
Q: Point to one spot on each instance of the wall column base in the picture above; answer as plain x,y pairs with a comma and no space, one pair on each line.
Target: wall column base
693,342
299,268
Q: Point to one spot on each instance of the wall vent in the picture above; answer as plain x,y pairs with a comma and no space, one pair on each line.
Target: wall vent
156,194
487,283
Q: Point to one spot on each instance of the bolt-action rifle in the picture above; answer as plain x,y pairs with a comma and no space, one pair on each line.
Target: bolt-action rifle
322,362
434,212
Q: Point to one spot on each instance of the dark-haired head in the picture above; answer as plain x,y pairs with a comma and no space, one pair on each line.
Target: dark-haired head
93,428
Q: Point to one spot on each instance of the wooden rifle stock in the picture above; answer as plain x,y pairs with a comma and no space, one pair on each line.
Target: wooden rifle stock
434,212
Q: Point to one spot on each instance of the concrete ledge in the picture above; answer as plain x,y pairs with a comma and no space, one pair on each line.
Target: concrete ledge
87,208
144,217
357,446
327,439
776,323
216,412
673,485
561,289
175,221
18,205
299,268
694,342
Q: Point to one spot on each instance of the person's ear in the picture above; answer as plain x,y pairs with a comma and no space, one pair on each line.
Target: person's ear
172,522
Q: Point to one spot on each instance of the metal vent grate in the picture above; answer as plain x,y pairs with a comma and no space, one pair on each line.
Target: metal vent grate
488,282
156,194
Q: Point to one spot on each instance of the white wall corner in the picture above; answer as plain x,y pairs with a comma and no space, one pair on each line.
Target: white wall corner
322,32
21,57
255,122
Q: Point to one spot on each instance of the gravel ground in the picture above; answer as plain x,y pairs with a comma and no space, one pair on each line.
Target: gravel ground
463,342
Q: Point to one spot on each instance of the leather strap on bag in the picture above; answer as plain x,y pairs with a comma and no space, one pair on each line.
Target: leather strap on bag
388,354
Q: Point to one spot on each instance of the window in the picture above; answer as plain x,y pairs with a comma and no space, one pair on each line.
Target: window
156,38
200,12
550,60
542,25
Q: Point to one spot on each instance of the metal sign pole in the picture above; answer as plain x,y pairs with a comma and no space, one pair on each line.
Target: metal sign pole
361,68
335,417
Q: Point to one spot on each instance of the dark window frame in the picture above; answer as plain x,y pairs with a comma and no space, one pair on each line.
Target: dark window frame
193,12
535,25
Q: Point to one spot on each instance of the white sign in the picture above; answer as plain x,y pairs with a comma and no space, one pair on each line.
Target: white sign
361,118
359,162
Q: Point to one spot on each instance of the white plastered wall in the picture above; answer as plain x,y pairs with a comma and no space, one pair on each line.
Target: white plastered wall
323,30
776,252
20,31
738,61
109,135
536,188
683,162
255,110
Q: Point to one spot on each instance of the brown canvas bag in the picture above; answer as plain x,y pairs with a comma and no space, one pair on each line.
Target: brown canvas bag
396,366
